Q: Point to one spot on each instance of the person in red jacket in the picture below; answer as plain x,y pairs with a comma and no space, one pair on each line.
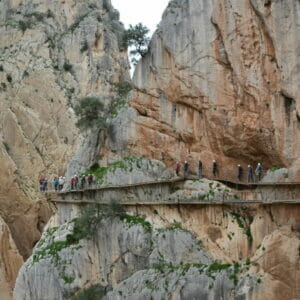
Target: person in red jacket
72,181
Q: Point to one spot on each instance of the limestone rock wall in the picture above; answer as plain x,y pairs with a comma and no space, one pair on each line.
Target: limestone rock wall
220,81
161,259
51,54
10,262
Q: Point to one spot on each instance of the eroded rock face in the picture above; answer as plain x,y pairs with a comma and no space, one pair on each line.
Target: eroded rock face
10,262
51,54
166,251
164,258
130,259
220,81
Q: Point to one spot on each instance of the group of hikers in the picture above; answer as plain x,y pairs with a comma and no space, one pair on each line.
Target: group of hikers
58,183
87,180
215,171
81,182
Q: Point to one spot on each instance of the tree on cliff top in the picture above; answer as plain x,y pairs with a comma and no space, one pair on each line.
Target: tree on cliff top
136,37
90,111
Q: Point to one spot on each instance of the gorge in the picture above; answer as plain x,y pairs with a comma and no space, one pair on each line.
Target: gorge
221,80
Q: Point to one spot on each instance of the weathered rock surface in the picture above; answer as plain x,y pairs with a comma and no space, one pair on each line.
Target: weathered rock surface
162,260
10,262
220,81
51,54
133,259
117,253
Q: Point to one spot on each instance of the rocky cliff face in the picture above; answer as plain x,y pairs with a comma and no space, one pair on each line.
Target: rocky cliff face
220,81
51,54
217,83
170,257
10,261
166,251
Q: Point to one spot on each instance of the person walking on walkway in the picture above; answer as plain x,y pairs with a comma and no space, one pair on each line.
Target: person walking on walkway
215,170
186,169
83,182
90,180
76,180
60,183
41,182
250,174
177,170
45,185
55,183
72,181
239,173
258,171
200,166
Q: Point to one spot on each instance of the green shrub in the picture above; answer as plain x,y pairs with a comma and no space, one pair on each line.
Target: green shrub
1,68
94,292
134,220
123,88
90,111
37,15
7,148
273,169
50,14
67,67
84,47
24,25
9,78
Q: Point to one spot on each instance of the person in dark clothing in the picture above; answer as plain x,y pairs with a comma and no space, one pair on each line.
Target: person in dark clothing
250,174
200,166
56,182
76,180
215,168
240,173
45,185
258,172
83,182
41,181
72,181
90,180
186,169
177,168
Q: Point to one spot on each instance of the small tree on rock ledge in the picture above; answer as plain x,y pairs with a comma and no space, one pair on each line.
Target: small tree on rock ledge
90,111
136,37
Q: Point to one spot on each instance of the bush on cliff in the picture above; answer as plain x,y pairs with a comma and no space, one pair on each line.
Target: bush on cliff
94,292
90,111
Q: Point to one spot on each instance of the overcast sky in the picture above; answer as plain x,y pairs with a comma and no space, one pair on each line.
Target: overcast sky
148,12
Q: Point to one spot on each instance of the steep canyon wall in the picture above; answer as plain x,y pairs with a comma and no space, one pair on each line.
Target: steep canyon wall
51,54
220,81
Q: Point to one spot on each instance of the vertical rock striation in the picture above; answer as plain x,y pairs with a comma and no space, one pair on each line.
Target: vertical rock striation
51,54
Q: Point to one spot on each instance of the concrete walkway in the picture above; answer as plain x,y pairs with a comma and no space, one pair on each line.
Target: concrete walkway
163,192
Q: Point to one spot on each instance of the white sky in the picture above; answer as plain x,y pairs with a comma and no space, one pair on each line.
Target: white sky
148,12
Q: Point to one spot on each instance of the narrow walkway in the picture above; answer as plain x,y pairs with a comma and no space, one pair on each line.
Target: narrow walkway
233,184
164,192
140,203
